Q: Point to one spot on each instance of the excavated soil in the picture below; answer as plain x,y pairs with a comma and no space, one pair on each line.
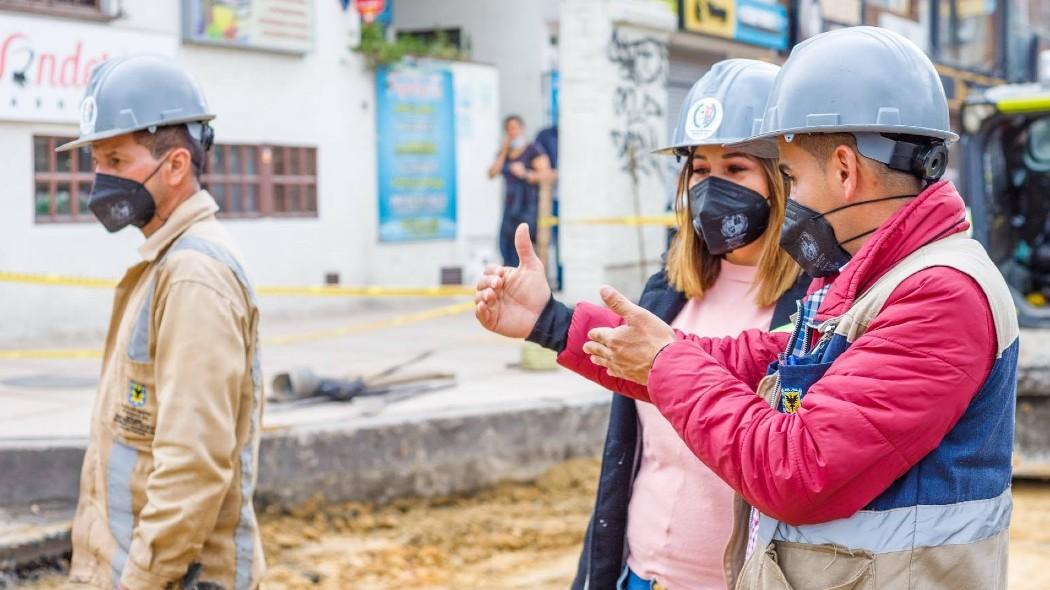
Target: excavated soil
514,536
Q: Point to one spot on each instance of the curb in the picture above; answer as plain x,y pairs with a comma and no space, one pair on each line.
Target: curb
374,459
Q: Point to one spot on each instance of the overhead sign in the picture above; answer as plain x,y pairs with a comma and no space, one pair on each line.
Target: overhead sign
369,9
45,65
762,23
755,22
843,12
710,17
415,124
273,25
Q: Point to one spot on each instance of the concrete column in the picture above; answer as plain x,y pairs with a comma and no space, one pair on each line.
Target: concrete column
612,115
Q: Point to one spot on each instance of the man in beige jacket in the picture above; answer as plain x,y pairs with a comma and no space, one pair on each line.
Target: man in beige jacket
166,487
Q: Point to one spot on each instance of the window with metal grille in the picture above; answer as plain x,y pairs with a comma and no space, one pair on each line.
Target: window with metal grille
263,180
246,180
61,181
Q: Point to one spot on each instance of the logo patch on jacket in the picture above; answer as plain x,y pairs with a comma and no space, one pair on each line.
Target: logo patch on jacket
137,395
792,400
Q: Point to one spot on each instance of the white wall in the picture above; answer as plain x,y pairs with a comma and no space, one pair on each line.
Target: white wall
477,197
509,35
323,99
326,99
613,94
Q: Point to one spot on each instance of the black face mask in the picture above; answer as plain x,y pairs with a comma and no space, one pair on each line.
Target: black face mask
726,215
808,237
119,202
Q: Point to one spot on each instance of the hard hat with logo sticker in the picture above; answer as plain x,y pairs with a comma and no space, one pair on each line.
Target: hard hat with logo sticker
868,81
141,92
723,106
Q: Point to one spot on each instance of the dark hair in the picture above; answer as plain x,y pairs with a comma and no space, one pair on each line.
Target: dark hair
510,118
170,137
821,145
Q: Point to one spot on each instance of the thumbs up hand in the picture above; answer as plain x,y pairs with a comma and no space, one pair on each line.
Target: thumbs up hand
628,351
508,301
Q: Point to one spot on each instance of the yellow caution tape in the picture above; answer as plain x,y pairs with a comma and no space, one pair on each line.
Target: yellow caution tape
51,354
665,220
317,291
337,291
56,280
402,320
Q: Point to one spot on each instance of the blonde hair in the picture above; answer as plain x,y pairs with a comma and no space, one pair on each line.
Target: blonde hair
692,269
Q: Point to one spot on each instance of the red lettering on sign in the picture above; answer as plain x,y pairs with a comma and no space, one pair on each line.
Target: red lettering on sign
46,60
39,67
5,48
70,67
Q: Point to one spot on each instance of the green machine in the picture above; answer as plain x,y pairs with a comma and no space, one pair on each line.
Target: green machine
1005,178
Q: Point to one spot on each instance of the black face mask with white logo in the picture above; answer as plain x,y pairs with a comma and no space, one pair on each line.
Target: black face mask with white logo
119,202
726,215
808,237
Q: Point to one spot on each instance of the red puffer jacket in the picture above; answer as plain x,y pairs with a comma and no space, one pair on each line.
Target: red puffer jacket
881,407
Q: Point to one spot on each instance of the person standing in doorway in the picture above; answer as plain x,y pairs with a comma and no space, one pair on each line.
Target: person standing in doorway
548,139
523,166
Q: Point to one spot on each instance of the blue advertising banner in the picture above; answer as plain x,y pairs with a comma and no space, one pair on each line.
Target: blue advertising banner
554,88
415,125
762,23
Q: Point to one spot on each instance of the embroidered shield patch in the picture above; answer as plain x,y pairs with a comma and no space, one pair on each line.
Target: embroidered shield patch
792,400
137,394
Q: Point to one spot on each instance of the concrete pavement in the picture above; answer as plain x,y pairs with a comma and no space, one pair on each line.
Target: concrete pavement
497,422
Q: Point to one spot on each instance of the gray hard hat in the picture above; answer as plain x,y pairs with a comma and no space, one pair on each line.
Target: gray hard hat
137,92
723,106
860,80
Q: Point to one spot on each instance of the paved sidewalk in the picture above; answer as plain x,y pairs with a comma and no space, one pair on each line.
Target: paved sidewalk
498,422
50,400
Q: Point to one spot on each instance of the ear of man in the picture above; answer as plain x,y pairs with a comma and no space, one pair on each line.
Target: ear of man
825,148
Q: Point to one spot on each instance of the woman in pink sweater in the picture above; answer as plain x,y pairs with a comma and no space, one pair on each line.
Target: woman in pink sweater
662,519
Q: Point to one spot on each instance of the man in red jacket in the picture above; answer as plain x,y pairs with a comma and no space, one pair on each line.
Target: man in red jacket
877,453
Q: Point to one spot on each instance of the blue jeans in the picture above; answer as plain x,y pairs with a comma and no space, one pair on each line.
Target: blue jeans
632,581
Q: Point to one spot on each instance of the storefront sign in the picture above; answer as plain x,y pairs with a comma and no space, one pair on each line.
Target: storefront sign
415,124
45,65
762,23
843,12
274,25
710,17
755,22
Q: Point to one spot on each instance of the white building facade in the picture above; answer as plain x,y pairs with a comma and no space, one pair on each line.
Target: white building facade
294,168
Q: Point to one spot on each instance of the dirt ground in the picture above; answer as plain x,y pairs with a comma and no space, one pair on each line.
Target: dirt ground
515,536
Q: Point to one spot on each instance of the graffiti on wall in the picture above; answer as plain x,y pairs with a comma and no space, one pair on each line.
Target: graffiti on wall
641,64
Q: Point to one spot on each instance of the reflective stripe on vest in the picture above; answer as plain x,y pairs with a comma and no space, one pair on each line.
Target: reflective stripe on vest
902,529
138,350
922,525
